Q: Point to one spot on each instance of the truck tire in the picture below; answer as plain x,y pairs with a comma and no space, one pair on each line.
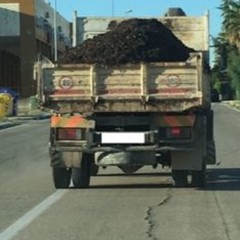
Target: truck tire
180,178
61,177
94,169
81,176
199,177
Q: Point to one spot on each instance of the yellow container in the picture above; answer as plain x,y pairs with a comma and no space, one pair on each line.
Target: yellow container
2,108
6,104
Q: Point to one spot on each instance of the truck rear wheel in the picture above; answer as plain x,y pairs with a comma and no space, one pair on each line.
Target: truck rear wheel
94,169
180,178
61,177
81,176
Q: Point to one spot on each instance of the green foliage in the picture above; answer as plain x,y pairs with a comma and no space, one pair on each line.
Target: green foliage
221,50
234,69
227,47
231,21
216,77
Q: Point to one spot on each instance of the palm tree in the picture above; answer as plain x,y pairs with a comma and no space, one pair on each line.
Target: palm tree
231,21
221,47
227,53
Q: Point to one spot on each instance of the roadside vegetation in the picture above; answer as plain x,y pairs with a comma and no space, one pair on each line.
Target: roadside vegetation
226,70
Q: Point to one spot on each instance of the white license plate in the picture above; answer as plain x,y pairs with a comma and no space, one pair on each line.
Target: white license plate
123,138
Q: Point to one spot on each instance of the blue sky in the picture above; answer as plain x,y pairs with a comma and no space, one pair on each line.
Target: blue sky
140,8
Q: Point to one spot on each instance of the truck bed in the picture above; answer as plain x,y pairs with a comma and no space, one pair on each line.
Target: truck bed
143,87
192,31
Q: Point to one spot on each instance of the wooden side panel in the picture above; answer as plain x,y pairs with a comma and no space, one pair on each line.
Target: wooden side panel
119,81
67,82
133,87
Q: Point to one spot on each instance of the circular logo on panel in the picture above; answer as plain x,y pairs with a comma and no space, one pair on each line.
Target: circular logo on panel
173,81
66,82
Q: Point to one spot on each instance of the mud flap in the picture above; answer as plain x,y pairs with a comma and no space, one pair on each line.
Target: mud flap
211,150
192,160
211,153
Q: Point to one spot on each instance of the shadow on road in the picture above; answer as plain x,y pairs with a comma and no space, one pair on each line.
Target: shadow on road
133,186
224,179
133,181
135,174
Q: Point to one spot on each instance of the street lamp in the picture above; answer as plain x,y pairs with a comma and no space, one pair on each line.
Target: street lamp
55,31
128,12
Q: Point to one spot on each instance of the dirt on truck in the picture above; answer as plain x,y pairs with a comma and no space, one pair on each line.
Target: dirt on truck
130,41
136,94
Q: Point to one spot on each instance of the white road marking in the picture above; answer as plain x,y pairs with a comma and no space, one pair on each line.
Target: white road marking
29,217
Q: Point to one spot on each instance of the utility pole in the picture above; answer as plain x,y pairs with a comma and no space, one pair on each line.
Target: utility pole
112,8
55,32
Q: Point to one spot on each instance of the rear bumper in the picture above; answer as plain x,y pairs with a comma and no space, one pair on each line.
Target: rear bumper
110,149
129,142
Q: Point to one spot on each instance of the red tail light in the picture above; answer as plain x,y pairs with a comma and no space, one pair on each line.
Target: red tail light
70,134
175,131
178,133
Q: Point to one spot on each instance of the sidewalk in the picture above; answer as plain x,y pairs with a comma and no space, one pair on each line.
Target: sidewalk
26,110
18,120
4,125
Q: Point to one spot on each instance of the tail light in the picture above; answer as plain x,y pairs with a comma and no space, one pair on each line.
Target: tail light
175,133
71,134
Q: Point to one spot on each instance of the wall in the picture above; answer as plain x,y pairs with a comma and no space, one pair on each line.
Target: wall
10,76
9,71
22,35
10,19
45,26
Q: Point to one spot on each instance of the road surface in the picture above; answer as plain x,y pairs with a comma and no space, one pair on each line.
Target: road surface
140,207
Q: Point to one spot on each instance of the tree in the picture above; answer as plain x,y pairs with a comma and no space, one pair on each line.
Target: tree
227,49
234,71
231,22
221,49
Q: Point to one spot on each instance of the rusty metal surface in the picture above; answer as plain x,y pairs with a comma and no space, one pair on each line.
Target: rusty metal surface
132,87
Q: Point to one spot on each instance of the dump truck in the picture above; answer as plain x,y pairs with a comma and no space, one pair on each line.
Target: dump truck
131,115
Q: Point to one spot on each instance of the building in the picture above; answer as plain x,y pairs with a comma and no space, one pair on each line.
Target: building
27,30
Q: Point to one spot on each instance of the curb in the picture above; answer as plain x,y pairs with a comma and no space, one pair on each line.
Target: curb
8,125
31,117
16,121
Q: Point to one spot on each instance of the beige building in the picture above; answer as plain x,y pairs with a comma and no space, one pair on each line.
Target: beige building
27,29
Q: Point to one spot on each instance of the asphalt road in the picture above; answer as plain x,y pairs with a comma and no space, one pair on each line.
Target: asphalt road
140,207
